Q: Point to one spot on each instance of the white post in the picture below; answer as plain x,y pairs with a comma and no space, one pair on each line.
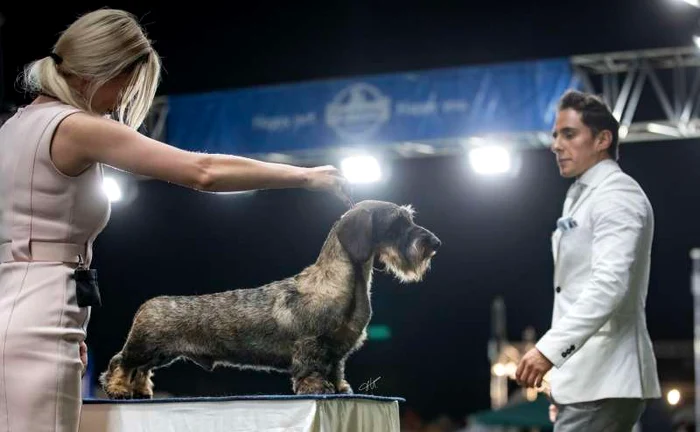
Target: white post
2,66
695,289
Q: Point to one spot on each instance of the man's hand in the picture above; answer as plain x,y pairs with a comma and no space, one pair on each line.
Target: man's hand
532,368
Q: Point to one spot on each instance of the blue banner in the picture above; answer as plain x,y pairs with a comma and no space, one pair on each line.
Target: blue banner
371,110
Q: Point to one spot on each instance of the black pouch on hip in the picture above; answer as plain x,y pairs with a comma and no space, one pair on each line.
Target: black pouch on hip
86,289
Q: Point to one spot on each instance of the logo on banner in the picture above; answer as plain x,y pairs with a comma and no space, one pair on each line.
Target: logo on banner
358,111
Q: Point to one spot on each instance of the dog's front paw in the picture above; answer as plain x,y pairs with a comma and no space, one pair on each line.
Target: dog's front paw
344,387
313,385
119,394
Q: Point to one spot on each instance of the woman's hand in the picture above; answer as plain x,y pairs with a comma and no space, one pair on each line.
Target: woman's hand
329,178
84,356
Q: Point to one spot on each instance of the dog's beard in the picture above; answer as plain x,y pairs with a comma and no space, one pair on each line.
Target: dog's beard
409,269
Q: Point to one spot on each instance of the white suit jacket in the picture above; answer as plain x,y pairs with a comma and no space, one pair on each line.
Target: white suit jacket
598,341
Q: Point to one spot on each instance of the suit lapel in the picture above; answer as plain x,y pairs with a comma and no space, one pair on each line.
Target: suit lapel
589,191
592,179
584,195
556,236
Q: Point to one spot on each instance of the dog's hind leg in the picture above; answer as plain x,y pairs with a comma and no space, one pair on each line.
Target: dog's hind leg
141,369
143,385
338,375
129,372
116,381
312,365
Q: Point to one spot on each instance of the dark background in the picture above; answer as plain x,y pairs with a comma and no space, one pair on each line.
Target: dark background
495,231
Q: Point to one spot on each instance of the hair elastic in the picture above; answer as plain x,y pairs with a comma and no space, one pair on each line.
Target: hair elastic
57,58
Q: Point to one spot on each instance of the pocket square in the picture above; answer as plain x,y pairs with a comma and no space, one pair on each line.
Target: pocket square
566,223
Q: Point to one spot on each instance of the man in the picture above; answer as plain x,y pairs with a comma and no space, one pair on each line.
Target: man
599,351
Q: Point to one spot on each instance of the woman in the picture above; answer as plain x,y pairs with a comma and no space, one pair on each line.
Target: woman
52,206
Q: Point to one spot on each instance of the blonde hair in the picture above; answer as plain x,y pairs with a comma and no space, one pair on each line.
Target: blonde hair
98,47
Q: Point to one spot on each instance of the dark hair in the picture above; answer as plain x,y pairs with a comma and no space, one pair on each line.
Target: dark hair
595,114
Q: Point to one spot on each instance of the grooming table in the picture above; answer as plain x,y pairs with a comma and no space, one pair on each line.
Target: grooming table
315,413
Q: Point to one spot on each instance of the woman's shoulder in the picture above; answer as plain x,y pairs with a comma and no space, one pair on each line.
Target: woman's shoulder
38,114
45,103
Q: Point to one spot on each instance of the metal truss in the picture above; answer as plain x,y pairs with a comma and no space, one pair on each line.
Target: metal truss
653,93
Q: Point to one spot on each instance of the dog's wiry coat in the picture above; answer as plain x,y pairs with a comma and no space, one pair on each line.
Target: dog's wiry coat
306,325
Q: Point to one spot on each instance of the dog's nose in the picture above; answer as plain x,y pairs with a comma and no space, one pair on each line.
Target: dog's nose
435,243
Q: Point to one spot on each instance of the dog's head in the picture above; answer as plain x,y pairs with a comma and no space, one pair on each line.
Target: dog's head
386,230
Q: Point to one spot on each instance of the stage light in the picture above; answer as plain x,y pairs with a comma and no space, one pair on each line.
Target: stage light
695,3
623,131
361,169
490,160
696,41
111,189
673,397
499,369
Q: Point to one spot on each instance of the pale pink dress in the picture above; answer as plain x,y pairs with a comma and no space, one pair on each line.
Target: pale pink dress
47,219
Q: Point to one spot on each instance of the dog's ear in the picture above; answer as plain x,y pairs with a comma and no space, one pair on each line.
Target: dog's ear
355,235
